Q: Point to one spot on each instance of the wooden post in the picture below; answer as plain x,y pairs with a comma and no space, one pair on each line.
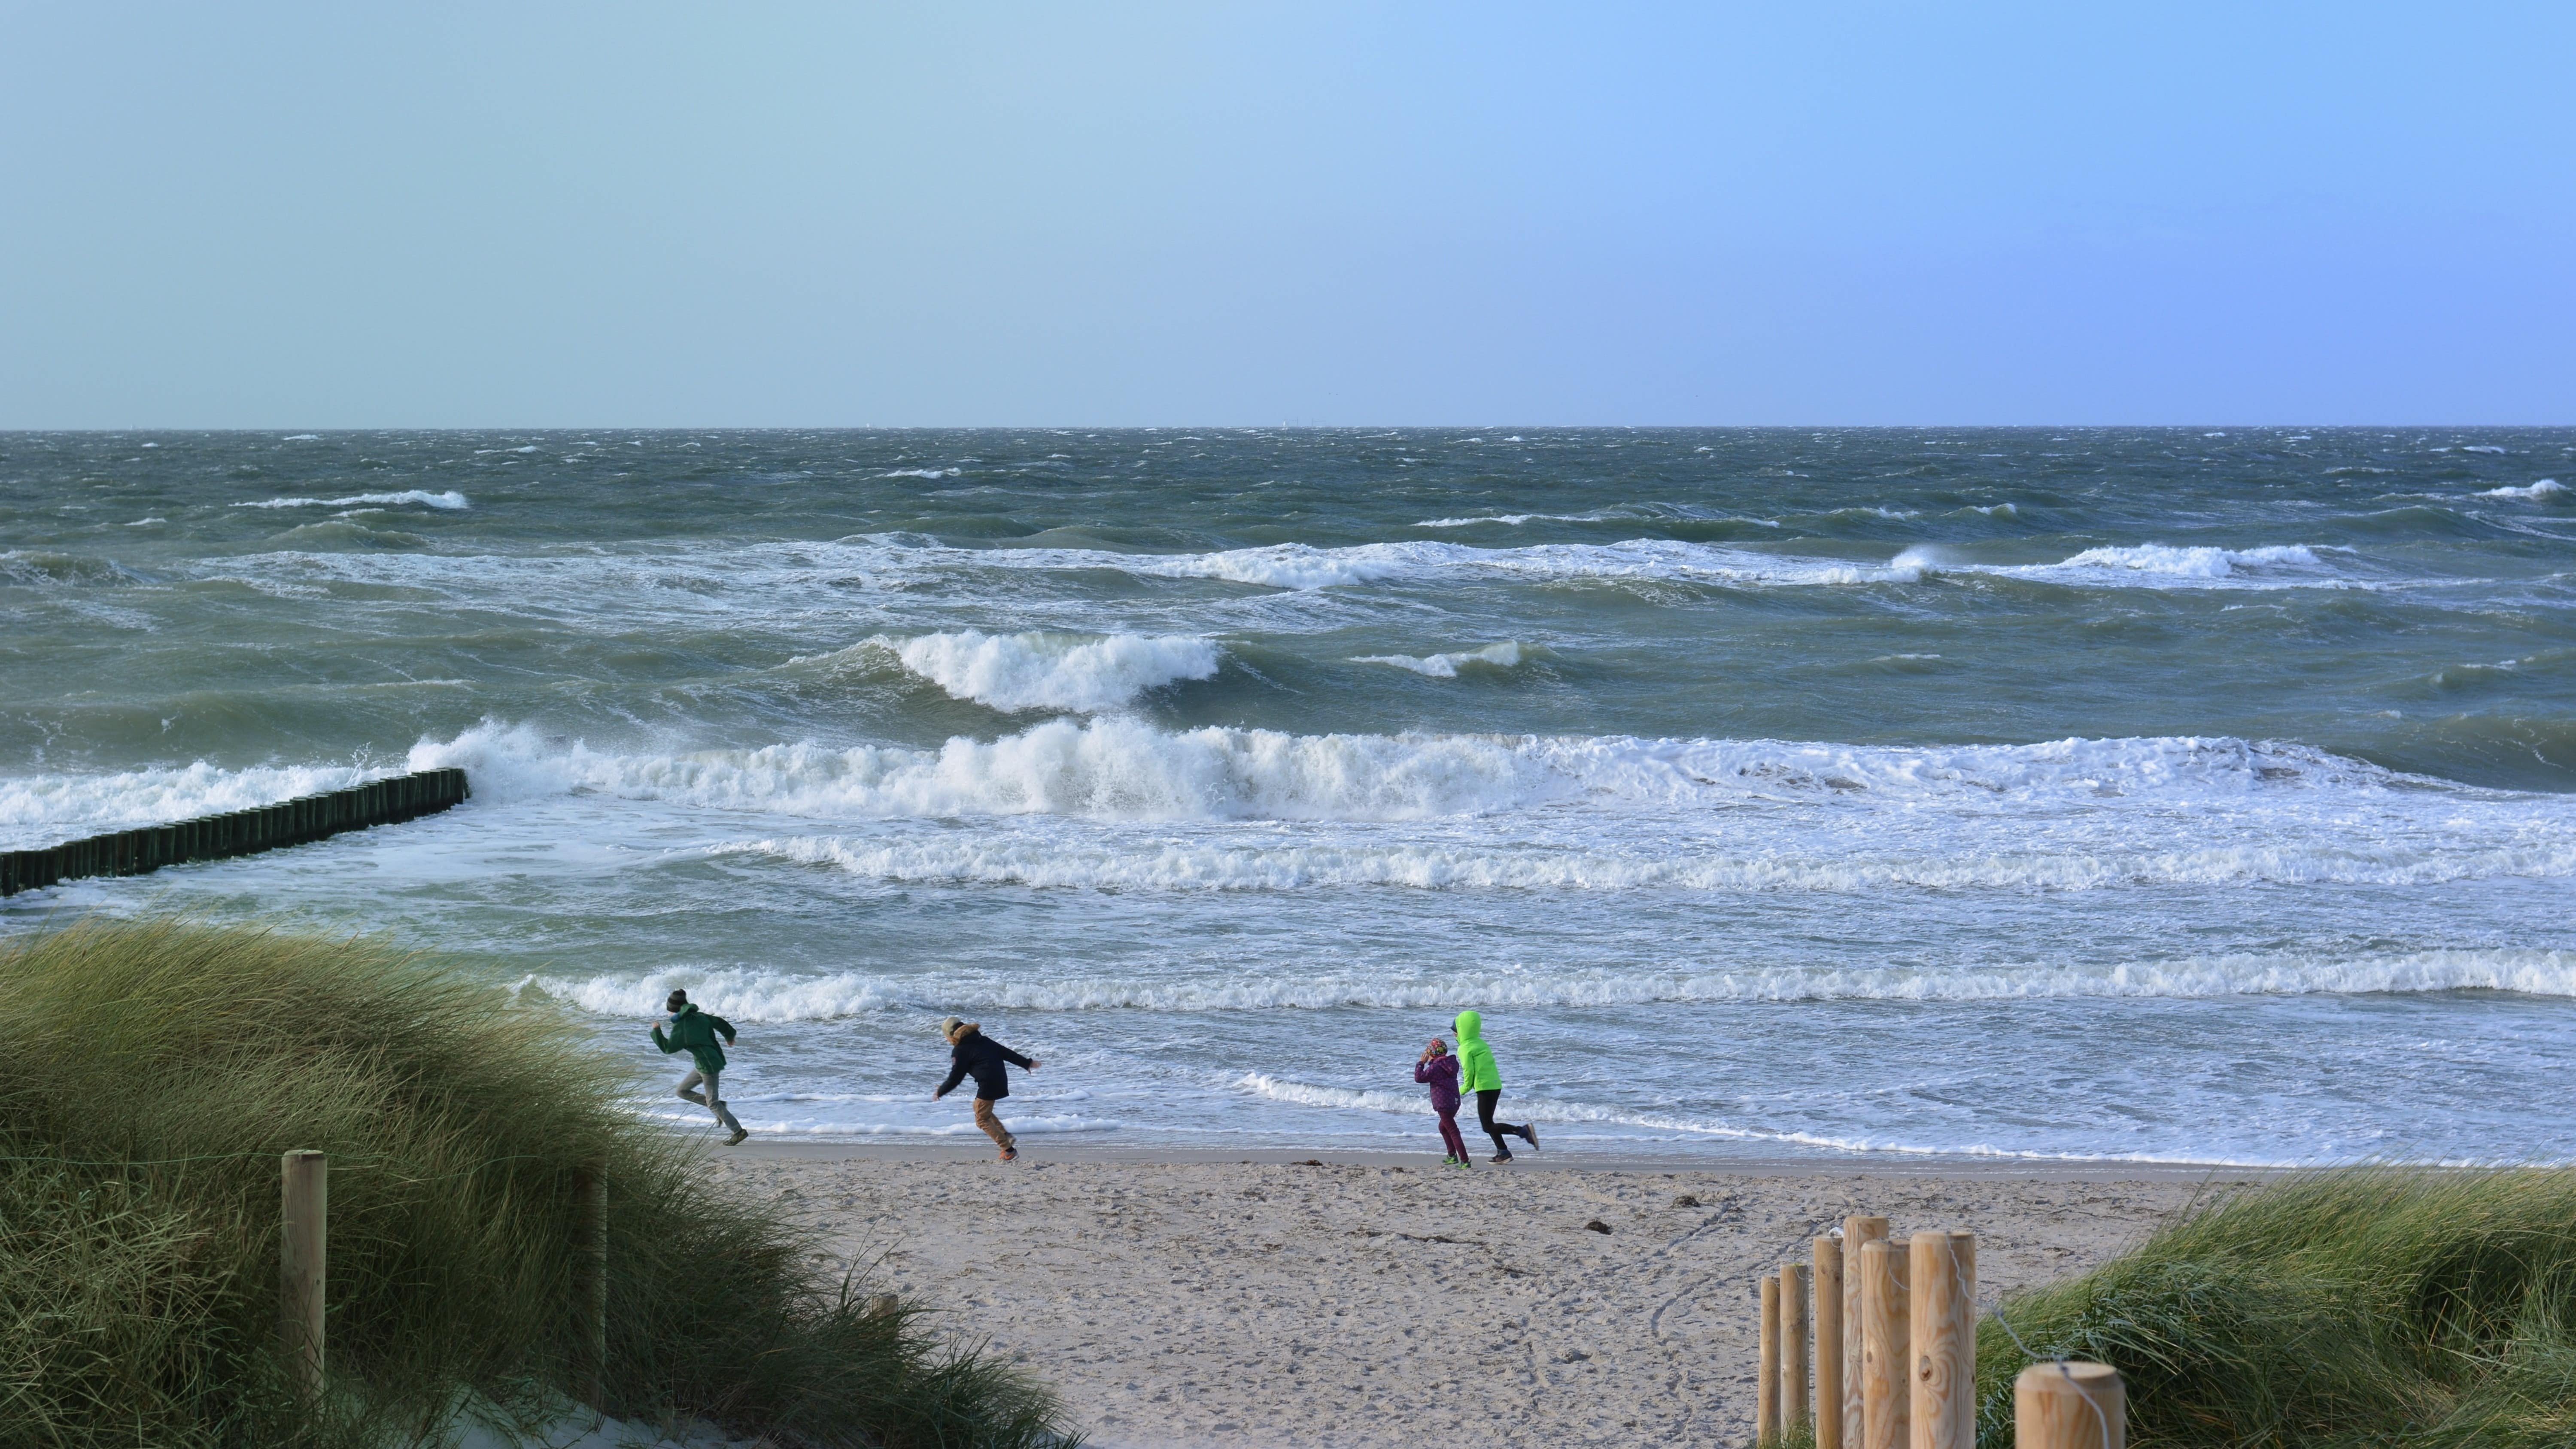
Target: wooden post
1941,1279
1766,1378
1857,1230
1885,1321
2070,1406
304,1202
1829,1343
590,1286
1795,1294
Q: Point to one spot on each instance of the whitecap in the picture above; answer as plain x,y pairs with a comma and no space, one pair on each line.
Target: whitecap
1506,655
1014,672
2545,488
450,501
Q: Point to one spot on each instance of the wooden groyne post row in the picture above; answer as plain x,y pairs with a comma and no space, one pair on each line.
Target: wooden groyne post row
239,832
1894,1327
303,1275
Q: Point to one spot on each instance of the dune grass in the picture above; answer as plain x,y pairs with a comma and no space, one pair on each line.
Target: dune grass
157,1070
2372,1306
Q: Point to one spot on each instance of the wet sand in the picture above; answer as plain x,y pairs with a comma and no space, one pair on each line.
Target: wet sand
1382,1300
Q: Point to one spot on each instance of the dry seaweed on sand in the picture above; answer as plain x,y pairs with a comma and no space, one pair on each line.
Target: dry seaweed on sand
158,1069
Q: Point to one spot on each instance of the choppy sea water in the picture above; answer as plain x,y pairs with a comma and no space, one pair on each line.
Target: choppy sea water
2102,793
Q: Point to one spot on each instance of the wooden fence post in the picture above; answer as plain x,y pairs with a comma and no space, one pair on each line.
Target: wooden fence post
2070,1406
304,1202
1795,1294
1941,1282
590,1285
1857,1231
1885,1369
1829,1343
1766,1378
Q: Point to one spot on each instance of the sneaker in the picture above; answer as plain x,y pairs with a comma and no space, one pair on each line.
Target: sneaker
739,1133
1500,1157
1010,1154
1529,1134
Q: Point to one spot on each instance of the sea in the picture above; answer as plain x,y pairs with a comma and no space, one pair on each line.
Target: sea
1842,795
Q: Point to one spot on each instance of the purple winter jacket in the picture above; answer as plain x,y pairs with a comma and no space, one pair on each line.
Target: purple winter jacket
1442,1073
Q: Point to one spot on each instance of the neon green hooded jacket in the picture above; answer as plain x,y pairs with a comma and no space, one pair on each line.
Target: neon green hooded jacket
1476,1071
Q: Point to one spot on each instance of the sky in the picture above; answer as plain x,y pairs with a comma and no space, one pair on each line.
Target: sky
268,215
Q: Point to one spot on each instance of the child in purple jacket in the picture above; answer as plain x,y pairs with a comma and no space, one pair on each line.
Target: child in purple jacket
1440,1070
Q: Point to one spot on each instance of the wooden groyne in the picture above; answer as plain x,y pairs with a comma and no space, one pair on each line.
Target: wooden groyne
239,832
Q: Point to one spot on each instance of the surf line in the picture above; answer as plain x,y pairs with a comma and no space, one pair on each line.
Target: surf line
299,821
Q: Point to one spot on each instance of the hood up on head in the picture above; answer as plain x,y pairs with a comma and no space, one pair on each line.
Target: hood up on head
1471,1026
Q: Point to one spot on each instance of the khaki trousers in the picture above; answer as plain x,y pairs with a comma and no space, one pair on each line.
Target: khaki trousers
712,1102
992,1125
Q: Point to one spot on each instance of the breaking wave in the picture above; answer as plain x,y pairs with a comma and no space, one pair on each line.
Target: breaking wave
2545,488
1121,768
44,810
1678,865
450,500
1084,674
764,996
1506,655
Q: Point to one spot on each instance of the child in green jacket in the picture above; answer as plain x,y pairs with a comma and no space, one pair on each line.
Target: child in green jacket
1477,1074
695,1032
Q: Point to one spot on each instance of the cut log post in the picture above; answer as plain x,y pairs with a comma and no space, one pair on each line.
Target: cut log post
1795,1294
1885,1370
1941,1282
1766,1377
1857,1231
304,1204
590,1286
2070,1406
1829,1343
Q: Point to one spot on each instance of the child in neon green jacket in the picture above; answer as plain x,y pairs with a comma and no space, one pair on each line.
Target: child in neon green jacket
1477,1074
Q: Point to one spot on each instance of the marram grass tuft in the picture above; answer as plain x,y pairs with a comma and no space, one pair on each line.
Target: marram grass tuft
2368,1306
157,1071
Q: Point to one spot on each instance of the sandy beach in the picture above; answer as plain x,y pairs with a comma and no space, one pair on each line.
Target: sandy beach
1384,1300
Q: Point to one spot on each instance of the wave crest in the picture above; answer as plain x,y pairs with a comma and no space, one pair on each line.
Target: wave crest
450,501
1083,674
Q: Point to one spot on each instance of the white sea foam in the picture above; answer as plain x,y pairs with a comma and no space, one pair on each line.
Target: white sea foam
921,473
1829,865
753,995
301,438
2192,563
1121,768
1506,655
1014,672
1664,1124
2480,448
2545,488
42,810
2156,565
450,500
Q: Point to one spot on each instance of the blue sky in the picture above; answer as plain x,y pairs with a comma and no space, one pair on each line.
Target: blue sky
266,215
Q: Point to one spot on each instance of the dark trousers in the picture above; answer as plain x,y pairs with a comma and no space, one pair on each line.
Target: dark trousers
1485,1099
1449,1137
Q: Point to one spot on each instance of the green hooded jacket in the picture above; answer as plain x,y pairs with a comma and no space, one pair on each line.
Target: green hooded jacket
695,1032
1476,1071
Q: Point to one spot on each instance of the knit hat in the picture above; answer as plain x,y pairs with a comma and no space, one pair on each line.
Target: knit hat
677,1000
948,1026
